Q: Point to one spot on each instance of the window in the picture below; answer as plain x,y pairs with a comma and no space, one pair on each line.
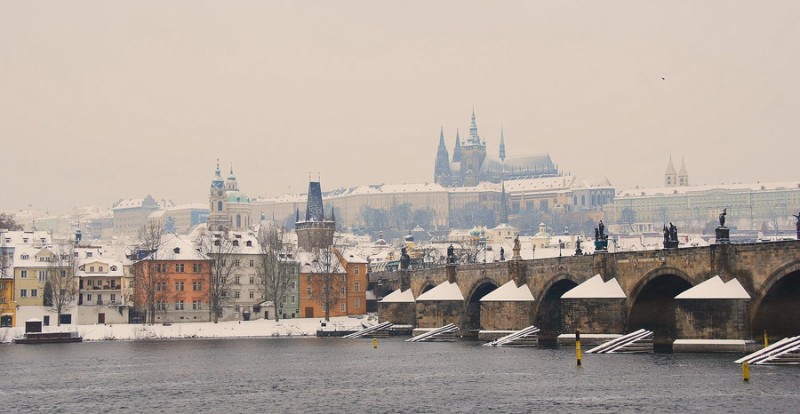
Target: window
34,293
91,269
197,285
237,262
113,298
161,305
23,274
113,284
236,243
63,273
197,305
291,299
291,285
179,267
252,280
89,297
42,275
197,267
252,294
236,280
88,254
23,293
236,294
24,257
308,291
357,270
249,243
357,303
357,287
179,286
161,286
161,267
179,305
252,262
343,291
341,307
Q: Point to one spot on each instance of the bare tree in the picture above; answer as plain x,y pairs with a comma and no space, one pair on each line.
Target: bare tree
277,269
149,274
7,222
6,276
61,283
328,279
219,247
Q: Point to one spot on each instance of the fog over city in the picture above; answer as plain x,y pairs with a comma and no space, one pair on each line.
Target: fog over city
107,100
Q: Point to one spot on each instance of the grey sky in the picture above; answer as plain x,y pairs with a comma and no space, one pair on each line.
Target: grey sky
104,100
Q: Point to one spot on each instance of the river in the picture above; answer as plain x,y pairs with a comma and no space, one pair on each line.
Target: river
338,375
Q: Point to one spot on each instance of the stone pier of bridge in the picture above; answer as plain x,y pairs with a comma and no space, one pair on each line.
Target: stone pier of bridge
769,273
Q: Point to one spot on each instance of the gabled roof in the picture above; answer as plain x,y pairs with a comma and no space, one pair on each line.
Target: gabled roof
595,288
715,288
445,291
509,292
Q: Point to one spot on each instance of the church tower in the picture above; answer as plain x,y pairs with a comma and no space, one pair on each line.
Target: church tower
315,232
441,174
217,216
473,153
457,148
683,176
670,175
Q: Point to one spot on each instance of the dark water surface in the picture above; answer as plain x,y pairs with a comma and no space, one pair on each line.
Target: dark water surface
339,375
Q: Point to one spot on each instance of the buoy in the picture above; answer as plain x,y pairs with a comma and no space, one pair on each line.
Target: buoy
766,339
374,343
578,346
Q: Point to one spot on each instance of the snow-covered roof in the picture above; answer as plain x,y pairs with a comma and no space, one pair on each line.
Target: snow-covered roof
509,292
445,291
312,263
715,288
177,248
539,184
399,297
595,288
351,255
699,189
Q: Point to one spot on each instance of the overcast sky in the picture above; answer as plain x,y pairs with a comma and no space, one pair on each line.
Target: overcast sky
103,100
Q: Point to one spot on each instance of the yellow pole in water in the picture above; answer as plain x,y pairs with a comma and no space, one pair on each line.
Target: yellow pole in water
578,346
374,343
766,339
745,371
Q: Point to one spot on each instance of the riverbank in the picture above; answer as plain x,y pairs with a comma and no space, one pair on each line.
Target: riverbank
233,329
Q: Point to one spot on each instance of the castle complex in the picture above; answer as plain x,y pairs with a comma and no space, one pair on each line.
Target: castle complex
470,164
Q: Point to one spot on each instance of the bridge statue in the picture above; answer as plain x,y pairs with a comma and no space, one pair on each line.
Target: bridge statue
404,259
451,255
797,225
723,233
517,248
722,217
502,254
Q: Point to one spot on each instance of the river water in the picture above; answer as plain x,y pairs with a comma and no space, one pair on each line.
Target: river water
339,375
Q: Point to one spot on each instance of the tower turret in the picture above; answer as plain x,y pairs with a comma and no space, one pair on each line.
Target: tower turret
670,175
683,175
315,232
441,173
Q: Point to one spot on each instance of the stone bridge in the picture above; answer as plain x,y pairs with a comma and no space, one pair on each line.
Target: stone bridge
650,280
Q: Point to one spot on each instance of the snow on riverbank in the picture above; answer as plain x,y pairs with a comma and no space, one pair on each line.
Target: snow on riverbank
245,329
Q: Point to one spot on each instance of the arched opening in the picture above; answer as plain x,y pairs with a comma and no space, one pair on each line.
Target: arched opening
654,309
425,289
238,221
779,311
219,205
548,316
472,318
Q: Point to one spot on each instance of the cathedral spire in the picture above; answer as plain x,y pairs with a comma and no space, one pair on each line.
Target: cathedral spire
457,148
473,139
441,173
502,146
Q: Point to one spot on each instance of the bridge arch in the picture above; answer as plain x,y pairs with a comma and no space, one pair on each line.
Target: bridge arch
547,307
651,304
426,287
775,307
472,316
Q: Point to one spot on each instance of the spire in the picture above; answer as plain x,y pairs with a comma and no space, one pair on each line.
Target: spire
670,167
683,175
441,168
314,208
297,215
217,173
457,149
473,139
670,176
502,146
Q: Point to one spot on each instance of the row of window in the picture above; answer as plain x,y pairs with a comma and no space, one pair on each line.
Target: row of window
99,299
197,304
197,285
179,268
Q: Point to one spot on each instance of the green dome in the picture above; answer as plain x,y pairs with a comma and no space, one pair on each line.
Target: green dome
237,197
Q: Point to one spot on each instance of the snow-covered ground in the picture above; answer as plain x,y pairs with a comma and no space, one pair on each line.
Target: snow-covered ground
258,328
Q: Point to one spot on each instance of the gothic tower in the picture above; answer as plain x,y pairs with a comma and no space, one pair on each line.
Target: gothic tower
315,232
441,174
683,176
670,175
473,153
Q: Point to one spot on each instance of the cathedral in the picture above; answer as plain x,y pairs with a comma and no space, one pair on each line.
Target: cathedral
471,165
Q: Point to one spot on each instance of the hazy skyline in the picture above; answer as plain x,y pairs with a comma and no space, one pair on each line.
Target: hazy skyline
107,100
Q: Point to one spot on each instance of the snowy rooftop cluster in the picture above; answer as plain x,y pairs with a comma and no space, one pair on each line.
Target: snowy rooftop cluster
399,296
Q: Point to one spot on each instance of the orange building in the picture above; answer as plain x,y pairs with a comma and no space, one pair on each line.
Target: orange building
346,277
172,284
